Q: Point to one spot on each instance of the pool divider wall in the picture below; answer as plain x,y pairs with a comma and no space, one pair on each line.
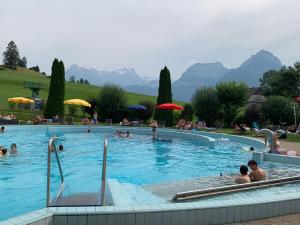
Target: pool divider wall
166,214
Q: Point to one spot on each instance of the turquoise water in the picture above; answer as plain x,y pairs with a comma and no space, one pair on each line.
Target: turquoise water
137,160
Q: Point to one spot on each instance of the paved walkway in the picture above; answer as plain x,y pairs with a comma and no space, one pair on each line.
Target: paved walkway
282,220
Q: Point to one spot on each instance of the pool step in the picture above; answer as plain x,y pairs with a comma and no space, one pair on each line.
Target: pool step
131,194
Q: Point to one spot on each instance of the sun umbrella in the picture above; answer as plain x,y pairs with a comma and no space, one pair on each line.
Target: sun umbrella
169,106
79,102
297,99
137,107
20,100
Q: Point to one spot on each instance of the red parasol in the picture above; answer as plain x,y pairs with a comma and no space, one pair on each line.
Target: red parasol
297,99
169,106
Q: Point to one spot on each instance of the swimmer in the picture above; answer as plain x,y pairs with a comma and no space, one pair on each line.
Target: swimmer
257,173
60,147
243,177
88,131
13,148
154,126
2,129
127,134
3,151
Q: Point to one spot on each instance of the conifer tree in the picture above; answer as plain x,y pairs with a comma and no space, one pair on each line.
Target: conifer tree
56,95
11,57
164,96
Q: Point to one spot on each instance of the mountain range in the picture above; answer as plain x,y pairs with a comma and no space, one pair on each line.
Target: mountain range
197,75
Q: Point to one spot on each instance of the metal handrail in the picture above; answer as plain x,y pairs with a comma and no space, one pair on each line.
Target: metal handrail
209,192
52,147
103,179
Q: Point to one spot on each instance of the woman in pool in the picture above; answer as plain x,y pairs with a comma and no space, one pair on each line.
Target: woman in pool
13,148
3,151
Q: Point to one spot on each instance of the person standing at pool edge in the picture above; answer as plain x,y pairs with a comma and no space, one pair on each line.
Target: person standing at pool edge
257,173
154,126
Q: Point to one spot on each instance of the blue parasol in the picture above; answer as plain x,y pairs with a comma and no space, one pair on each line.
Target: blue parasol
137,107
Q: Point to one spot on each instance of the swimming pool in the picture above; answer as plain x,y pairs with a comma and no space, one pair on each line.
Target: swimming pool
137,160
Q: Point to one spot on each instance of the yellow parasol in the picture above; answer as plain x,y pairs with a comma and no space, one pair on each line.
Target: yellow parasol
77,102
20,100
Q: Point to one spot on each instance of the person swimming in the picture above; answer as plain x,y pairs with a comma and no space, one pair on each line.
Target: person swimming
154,126
2,129
13,148
3,151
257,173
60,147
243,177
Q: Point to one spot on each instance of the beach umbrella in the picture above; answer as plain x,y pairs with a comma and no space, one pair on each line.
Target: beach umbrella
79,102
20,100
297,99
137,107
169,106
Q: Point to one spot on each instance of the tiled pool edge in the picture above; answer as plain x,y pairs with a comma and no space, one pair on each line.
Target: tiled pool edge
267,157
165,214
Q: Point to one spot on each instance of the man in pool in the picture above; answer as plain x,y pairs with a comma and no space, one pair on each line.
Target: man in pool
257,173
3,151
13,148
2,129
243,177
154,127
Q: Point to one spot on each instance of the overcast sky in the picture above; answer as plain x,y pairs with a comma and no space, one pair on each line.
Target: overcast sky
148,34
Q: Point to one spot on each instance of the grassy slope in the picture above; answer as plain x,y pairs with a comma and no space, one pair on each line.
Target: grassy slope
12,85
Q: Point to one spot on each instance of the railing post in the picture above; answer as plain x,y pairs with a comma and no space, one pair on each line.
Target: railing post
48,172
103,180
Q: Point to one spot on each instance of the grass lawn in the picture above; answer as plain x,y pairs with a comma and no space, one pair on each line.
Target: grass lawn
12,85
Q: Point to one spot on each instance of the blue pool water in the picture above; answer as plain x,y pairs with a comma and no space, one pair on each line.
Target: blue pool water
137,160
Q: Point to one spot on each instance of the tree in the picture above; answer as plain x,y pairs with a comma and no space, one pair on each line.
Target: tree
56,95
188,112
81,81
23,62
92,109
86,82
111,103
35,68
285,82
146,115
279,110
72,79
11,57
164,96
231,95
206,104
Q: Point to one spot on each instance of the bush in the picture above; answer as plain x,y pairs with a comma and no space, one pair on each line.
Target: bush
240,116
188,112
146,115
206,105
231,95
111,103
279,110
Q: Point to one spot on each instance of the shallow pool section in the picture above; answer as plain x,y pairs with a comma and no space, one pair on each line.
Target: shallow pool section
136,161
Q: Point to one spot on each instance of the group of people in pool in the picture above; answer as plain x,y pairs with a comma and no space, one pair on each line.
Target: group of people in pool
4,151
120,133
257,174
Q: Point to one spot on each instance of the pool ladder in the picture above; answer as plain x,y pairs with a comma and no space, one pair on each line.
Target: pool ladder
52,148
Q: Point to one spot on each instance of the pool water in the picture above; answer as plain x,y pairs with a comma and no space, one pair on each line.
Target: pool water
137,160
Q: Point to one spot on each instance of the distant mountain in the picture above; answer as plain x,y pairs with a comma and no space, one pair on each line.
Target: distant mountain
253,68
199,74
122,77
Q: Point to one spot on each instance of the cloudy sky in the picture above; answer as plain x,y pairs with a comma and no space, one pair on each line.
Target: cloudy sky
148,34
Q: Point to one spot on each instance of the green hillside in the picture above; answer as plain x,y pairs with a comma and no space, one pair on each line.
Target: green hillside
12,85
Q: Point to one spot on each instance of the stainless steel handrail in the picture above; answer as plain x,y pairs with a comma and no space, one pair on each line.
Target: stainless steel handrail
52,147
209,192
103,179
